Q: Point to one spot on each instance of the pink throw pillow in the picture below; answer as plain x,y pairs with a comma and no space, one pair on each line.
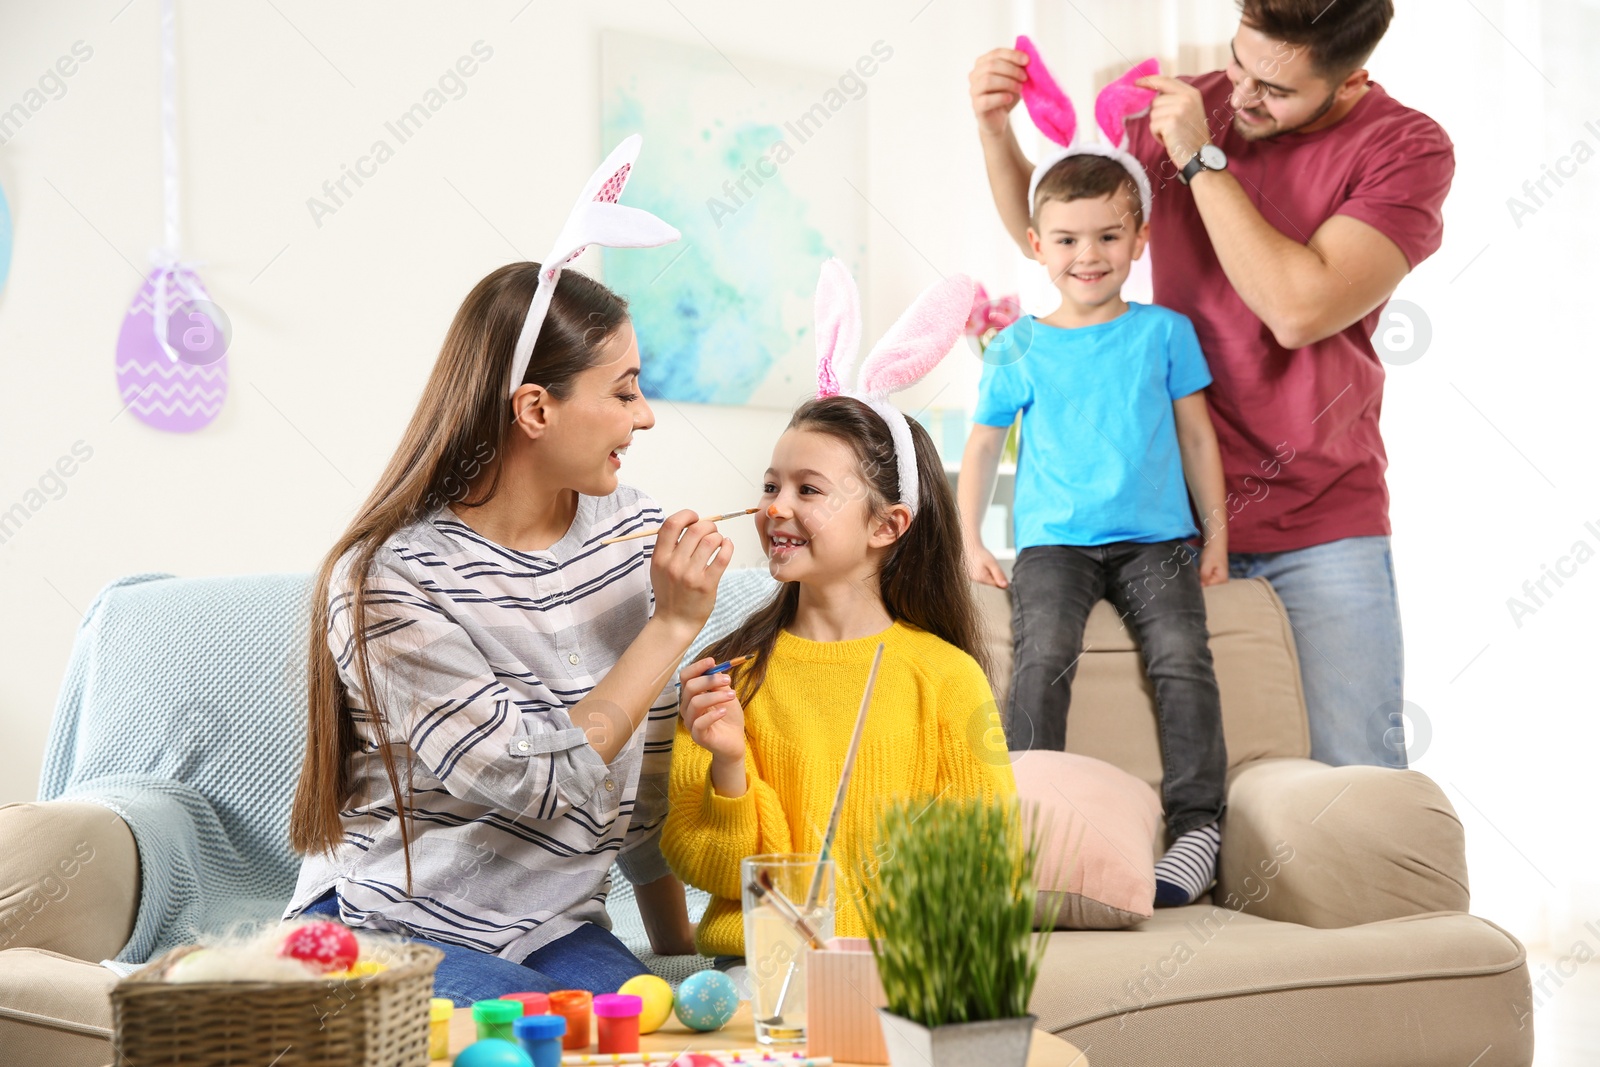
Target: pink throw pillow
1106,816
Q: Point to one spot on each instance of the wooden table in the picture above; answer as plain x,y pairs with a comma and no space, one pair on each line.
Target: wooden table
673,1038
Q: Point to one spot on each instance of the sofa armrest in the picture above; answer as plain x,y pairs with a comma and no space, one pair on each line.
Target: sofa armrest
69,879
1323,846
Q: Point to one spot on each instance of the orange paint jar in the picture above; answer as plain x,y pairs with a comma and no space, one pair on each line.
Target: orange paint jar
574,1006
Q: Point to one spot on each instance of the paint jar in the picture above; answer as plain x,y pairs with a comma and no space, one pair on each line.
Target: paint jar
617,1018
440,1009
532,1003
541,1038
494,1018
573,1005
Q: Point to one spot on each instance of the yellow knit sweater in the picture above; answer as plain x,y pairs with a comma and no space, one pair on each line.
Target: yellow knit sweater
932,729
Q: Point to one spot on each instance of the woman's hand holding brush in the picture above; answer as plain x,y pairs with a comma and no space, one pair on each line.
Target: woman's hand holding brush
711,711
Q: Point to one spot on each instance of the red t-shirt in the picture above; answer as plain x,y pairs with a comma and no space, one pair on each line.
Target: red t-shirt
1298,429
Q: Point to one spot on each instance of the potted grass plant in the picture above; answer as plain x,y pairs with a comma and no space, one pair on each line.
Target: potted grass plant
949,909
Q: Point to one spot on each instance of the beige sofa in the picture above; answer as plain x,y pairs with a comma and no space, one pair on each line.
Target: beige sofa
1358,950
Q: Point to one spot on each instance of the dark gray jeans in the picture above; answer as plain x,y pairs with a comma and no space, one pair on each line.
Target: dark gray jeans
1156,589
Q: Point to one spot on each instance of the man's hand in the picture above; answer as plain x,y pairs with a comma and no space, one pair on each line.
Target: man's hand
1177,117
996,86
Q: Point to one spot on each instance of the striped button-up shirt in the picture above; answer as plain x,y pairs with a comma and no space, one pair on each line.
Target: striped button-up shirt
478,652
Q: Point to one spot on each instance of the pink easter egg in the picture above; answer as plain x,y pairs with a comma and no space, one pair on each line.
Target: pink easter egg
177,395
329,946
697,1059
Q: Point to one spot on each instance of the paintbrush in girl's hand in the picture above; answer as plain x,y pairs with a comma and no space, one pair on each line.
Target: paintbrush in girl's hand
652,533
737,661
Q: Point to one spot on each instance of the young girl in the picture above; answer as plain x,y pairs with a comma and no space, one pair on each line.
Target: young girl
861,526
491,709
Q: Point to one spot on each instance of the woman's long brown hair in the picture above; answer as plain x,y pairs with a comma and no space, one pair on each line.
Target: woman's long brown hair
923,577
447,454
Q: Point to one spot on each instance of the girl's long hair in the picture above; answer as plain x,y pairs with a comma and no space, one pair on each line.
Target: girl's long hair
923,577
448,454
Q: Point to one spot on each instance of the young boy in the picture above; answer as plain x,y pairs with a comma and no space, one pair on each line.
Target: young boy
1113,422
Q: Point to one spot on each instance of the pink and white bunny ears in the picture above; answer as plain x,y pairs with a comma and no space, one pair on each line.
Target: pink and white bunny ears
1055,117
596,219
921,337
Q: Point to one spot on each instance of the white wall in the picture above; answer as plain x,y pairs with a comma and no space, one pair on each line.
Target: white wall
1489,432
335,327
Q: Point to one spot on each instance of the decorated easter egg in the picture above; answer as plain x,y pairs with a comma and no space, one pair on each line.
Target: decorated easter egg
657,997
493,1052
697,1059
327,946
707,1000
181,390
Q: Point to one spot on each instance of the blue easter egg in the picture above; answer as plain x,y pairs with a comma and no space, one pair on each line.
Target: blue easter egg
492,1052
706,1000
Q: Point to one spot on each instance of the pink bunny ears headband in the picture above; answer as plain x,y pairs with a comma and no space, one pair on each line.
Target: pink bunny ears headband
596,219
914,345
1055,117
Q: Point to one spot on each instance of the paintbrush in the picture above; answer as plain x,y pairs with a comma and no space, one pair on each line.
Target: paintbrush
814,896
651,533
764,888
737,661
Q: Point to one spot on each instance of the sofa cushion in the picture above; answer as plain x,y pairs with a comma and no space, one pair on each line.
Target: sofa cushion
1342,845
69,879
1210,984
54,1009
1097,867
1113,705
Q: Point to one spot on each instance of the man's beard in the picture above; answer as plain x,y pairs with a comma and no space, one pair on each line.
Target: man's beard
1255,133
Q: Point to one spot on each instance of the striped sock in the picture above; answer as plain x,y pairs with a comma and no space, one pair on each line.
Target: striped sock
1188,868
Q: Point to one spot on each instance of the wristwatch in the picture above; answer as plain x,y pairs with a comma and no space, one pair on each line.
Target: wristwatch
1210,157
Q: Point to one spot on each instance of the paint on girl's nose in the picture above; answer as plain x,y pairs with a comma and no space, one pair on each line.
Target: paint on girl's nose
772,511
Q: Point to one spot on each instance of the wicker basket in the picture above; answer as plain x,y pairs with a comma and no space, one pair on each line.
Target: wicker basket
375,1021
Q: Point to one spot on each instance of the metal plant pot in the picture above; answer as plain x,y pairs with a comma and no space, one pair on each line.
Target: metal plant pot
992,1043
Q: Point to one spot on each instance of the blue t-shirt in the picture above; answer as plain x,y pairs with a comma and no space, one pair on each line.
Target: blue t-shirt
1099,460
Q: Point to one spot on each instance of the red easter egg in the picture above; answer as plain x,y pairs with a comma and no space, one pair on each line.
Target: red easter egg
328,946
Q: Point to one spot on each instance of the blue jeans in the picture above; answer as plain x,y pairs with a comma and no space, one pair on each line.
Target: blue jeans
1341,602
588,958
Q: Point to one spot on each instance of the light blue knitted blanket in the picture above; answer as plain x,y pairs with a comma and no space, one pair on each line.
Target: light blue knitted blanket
183,711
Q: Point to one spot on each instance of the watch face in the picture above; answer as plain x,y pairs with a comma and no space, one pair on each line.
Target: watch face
1211,157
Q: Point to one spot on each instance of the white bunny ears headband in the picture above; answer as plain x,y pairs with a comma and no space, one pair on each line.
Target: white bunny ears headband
1055,117
596,219
921,337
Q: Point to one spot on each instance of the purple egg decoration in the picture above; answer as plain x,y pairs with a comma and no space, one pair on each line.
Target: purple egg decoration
177,395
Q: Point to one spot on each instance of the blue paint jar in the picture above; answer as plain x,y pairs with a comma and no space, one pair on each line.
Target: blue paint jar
540,1037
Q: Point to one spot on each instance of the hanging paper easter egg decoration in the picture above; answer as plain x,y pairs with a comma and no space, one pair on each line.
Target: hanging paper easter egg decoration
5,239
177,378
172,371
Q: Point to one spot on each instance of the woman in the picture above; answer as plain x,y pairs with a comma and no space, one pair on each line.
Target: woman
491,708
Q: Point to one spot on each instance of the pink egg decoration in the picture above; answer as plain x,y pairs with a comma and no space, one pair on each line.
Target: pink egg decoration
328,946
697,1059
177,395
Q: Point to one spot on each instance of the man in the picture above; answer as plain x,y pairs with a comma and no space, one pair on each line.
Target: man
1291,195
